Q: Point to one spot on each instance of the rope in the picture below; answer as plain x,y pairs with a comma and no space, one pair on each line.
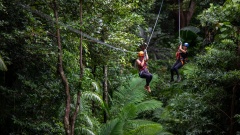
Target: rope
49,18
155,24
179,21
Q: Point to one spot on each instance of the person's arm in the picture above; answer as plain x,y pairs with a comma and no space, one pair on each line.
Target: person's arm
145,55
140,63
180,48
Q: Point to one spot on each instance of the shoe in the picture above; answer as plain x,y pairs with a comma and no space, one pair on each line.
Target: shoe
179,79
171,80
147,88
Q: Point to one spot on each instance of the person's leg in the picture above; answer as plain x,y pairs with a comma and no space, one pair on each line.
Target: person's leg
145,74
148,76
178,66
173,69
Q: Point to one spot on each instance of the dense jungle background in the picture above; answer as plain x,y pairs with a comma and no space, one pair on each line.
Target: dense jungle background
68,67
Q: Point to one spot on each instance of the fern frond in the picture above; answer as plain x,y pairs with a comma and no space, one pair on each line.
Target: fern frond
128,112
84,131
128,94
113,127
192,29
190,70
132,93
132,124
87,120
146,129
148,105
96,87
88,95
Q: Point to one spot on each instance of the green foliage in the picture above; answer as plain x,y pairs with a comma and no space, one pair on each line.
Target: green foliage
238,117
113,127
190,34
185,112
87,95
86,124
128,103
148,105
146,129
200,103
217,14
32,93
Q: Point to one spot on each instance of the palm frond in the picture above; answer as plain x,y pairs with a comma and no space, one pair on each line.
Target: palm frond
131,93
192,29
135,124
96,87
189,33
128,112
88,95
87,120
148,105
112,127
84,131
3,67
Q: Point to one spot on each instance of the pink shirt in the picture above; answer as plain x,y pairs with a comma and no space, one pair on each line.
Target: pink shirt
140,68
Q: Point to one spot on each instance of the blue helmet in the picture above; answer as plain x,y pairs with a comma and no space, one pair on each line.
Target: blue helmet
186,44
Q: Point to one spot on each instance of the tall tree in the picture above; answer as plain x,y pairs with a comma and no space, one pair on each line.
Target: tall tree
77,106
67,122
105,90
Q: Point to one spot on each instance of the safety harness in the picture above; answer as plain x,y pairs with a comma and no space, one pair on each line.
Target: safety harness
179,57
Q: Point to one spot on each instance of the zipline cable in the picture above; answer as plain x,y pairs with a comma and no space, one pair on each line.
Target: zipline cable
179,21
155,24
49,18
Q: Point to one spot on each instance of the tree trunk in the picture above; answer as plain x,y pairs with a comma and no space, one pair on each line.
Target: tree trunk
232,121
105,89
238,47
75,112
67,126
93,103
185,16
81,73
81,38
188,14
